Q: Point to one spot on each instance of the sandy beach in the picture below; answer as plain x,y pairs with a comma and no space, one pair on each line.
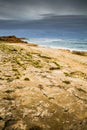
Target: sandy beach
42,88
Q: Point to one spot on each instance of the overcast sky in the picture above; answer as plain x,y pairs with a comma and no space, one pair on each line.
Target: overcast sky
52,17
40,9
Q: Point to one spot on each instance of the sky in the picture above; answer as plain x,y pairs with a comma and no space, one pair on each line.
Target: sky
40,9
62,15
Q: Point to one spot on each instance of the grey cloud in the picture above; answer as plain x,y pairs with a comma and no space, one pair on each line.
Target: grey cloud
50,22
39,9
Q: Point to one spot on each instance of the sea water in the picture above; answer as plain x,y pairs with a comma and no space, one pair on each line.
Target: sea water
73,44
54,39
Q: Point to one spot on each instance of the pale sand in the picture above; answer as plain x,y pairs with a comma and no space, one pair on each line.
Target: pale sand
42,88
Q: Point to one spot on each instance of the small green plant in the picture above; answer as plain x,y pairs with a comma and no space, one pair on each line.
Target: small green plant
9,98
27,79
78,74
17,61
37,64
10,79
54,68
17,77
66,74
44,56
66,82
58,66
9,91
14,69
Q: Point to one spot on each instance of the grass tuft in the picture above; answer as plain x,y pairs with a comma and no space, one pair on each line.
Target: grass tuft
27,79
66,82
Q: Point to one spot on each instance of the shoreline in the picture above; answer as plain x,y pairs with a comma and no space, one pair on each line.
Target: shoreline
14,39
62,48
74,51
56,47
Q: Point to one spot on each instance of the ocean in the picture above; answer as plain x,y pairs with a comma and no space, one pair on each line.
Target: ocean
52,38
72,44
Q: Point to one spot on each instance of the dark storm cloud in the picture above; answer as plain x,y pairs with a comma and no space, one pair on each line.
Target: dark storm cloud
43,14
39,9
70,22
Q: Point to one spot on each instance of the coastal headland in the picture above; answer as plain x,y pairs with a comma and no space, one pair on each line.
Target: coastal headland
41,88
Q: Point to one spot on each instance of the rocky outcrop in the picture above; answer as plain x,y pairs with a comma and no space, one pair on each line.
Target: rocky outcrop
12,39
